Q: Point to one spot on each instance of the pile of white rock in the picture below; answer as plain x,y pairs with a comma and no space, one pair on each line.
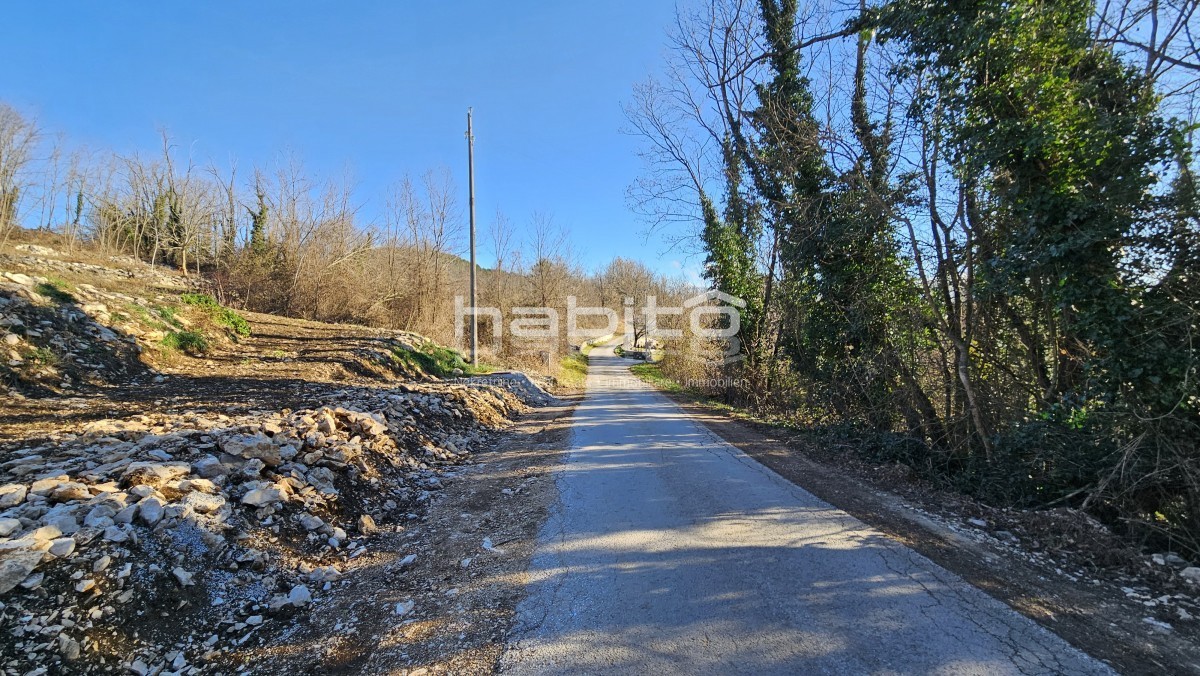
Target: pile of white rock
37,257
81,334
162,544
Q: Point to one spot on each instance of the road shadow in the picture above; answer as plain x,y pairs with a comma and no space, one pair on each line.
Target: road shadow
672,552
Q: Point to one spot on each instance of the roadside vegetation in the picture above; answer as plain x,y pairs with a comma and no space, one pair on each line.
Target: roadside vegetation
984,269
652,373
437,360
573,370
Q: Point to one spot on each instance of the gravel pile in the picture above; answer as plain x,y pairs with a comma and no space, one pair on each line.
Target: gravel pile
162,544
33,256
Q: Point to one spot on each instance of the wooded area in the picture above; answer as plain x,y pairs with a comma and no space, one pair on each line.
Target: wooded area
968,235
280,240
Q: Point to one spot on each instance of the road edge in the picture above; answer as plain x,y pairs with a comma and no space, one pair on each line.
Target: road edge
1086,619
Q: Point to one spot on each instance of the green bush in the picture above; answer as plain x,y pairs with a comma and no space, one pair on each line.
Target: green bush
200,300
191,342
436,360
220,314
233,321
168,315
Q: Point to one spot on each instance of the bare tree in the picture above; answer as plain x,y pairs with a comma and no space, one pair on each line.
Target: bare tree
551,254
1163,38
18,140
227,212
425,223
632,282
502,235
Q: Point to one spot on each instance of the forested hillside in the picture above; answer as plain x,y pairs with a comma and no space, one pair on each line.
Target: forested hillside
968,235
281,239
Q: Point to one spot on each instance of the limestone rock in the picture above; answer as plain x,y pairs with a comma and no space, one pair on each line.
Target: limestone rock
209,467
62,547
12,495
366,525
150,510
16,565
299,595
68,647
100,517
70,491
263,496
155,474
183,576
203,503
47,485
45,534
256,446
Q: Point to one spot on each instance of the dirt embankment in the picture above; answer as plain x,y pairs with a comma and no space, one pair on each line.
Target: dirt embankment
255,506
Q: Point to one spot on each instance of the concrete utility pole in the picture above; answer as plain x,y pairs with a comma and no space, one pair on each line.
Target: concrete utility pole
471,184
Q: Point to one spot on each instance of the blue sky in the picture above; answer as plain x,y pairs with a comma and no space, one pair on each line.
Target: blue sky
379,88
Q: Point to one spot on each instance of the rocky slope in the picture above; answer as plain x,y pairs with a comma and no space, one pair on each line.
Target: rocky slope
179,513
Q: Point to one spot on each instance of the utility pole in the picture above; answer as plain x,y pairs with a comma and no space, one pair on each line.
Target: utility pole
471,188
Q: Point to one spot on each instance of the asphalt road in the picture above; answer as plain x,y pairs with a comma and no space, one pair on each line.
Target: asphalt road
672,552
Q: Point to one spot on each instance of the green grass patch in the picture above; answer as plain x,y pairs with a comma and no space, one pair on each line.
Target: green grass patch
573,369
652,373
160,317
168,315
191,342
56,289
231,320
44,356
144,316
437,360
139,312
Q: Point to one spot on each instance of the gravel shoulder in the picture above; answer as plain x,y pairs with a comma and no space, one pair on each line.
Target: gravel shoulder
439,596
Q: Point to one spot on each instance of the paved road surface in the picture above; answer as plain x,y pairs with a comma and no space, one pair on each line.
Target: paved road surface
671,552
